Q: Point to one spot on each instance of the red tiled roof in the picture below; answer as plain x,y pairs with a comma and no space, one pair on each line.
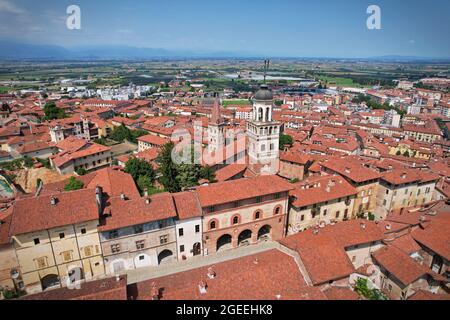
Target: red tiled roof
5,223
187,205
323,257
403,176
295,157
262,276
37,213
230,191
132,212
113,182
230,171
406,244
351,168
338,293
155,140
320,189
436,236
401,266
104,289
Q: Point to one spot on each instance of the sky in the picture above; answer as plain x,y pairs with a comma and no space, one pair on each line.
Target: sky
291,28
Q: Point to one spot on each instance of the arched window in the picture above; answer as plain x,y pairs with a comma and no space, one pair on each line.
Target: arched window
212,225
277,210
235,220
257,215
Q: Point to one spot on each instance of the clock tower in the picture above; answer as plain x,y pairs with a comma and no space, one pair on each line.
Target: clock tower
263,134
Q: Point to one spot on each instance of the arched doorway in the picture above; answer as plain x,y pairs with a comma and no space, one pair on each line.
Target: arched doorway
75,274
196,249
244,238
165,256
50,280
224,242
264,233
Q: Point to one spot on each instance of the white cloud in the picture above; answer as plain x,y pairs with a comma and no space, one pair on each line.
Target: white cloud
7,6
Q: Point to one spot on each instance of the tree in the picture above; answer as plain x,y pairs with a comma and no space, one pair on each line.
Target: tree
6,107
285,140
52,112
398,153
138,167
121,133
73,184
188,175
81,171
28,162
207,173
168,169
144,183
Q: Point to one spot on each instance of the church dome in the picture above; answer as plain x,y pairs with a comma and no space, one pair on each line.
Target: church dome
264,93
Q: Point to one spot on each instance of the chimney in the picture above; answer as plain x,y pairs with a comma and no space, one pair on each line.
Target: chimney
211,273
256,261
315,232
403,176
122,196
202,286
146,192
154,292
363,225
388,227
53,201
147,200
99,198
347,170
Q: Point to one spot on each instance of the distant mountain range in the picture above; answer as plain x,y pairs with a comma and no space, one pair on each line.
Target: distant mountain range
22,51
10,50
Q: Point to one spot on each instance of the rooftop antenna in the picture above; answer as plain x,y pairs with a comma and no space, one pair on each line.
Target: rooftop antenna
266,67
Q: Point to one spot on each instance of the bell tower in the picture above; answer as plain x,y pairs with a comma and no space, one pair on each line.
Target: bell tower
263,134
216,128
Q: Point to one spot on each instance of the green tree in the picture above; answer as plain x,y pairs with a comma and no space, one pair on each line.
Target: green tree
6,107
144,183
398,153
138,167
53,112
168,169
81,171
28,162
73,184
207,173
285,140
121,133
188,175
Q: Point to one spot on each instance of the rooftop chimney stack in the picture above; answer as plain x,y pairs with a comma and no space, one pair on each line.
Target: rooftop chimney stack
53,201
211,273
202,286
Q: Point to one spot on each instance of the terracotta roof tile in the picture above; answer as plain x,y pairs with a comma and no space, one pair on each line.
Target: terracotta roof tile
37,213
230,191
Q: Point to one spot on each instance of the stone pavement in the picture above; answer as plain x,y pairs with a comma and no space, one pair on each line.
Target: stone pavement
147,273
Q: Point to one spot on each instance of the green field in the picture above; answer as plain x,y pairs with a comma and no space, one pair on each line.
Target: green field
340,82
4,90
236,102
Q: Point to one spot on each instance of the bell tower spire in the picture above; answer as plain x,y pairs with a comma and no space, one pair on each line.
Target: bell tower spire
216,128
